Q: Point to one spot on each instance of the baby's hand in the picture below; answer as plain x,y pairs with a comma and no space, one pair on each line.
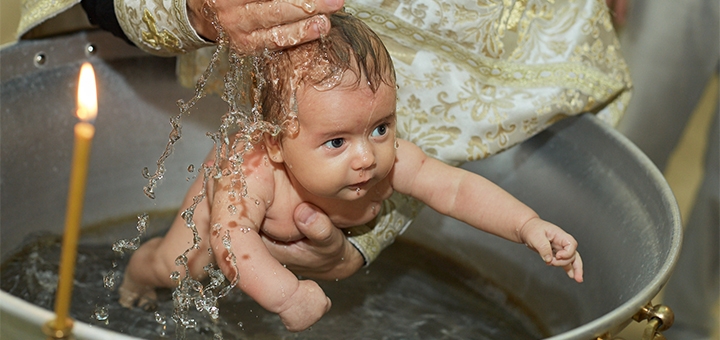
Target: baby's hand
555,246
305,307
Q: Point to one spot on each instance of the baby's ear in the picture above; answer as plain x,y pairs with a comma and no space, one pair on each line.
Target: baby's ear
274,148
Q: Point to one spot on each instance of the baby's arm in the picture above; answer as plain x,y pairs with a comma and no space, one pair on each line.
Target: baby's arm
299,303
477,201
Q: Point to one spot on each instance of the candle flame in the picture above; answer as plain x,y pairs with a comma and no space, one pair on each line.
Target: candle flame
87,94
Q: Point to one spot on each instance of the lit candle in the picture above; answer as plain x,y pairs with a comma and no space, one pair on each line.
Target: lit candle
84,131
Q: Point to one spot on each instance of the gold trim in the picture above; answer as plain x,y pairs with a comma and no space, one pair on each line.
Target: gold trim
158,40
159,27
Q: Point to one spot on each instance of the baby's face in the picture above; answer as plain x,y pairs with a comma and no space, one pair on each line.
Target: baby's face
346,139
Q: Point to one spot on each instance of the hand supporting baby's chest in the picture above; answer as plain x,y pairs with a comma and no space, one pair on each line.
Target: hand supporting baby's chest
279,223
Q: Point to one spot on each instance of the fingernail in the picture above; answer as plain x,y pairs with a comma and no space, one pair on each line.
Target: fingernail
334,4
306,215
547,258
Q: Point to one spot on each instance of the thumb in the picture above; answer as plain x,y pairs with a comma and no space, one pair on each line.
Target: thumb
545,251
314,224
538,241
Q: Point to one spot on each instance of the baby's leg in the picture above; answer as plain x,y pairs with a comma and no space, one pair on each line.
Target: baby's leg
152,264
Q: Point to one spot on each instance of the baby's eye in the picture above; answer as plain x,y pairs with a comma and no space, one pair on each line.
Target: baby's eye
335,143
381,130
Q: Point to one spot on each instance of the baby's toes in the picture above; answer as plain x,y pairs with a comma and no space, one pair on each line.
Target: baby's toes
148,302
128,297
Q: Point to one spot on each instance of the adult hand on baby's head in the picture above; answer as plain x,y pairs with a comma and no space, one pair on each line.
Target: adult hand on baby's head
555,246
324,253
255,25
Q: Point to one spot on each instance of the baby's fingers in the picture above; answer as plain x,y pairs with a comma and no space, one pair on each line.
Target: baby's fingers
567,257
538,241
575,269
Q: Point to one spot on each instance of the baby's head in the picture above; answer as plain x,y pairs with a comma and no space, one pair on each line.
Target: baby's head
350,47
335,100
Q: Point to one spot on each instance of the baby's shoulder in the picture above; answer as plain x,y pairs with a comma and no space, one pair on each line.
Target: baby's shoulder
258,172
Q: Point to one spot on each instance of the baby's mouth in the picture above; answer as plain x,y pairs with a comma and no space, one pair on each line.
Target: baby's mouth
359,185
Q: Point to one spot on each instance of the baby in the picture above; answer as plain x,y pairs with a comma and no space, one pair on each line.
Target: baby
337,150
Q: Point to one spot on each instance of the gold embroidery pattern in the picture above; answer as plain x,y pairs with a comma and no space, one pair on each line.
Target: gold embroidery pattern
396,214
501,136
158,40
159,27
477,148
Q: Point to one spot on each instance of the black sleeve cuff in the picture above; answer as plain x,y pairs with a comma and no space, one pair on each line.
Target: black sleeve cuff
102,13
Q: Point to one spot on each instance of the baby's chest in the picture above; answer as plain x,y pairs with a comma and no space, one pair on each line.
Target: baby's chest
279,223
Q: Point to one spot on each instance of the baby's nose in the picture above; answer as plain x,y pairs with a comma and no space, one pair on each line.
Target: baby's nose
364,157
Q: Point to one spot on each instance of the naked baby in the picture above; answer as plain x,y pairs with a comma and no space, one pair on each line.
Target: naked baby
335,100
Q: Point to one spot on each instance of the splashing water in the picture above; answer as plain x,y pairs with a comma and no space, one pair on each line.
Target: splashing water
241,127
122,245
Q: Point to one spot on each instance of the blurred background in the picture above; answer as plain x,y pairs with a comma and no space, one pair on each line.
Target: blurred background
9,18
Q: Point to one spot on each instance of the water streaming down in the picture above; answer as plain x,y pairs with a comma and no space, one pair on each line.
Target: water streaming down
410,292
248,127
241,129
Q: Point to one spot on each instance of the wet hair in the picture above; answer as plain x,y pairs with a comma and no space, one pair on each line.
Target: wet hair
350,46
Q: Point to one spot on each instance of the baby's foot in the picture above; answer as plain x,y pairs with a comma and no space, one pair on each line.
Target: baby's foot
132,295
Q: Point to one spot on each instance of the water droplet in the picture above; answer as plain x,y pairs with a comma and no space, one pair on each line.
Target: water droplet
226,241
190,323
257,202
232,209
160,319
101,313
181,260
191,168
109,280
